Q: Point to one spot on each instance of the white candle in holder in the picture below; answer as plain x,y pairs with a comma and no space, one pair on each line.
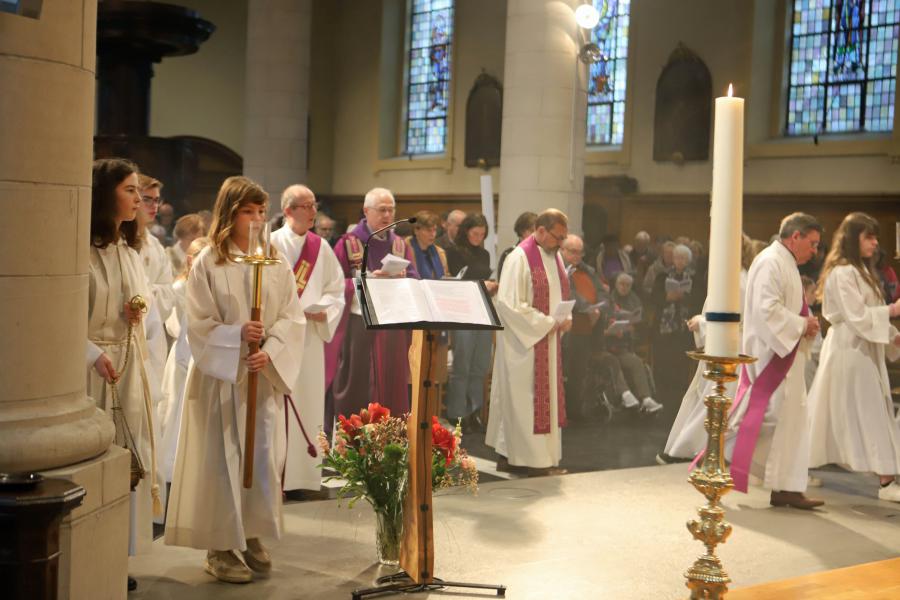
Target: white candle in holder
723,338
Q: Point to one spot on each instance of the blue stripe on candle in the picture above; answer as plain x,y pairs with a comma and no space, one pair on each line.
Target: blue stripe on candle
723,317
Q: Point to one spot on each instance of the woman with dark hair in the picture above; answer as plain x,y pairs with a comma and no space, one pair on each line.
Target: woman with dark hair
471,349
851,413
429,259
209,508
117,346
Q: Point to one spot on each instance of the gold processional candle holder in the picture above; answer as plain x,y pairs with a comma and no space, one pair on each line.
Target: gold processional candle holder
707,579
259,255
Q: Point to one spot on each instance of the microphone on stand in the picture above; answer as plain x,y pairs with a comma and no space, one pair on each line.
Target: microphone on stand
365,257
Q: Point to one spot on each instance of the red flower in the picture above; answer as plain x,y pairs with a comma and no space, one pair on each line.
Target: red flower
378,413
443,440
351,426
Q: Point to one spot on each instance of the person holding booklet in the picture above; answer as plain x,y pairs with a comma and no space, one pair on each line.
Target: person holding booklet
673,298
471,349
320,288
528,404
627,312
372,366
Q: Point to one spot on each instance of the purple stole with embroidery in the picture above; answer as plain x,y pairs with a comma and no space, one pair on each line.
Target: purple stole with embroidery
541,294
306,262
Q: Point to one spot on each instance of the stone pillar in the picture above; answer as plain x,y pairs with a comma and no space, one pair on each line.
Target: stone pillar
47,120
277,94
544,110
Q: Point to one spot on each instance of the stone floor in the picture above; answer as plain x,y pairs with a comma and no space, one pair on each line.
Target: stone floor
611,534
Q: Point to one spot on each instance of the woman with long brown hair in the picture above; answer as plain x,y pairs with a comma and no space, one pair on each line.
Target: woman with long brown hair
851,413
209,509
117,345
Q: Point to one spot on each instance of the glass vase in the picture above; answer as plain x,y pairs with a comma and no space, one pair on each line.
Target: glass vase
388,532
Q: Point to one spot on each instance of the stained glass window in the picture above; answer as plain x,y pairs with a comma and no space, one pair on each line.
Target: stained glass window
428,76
843,71
607,77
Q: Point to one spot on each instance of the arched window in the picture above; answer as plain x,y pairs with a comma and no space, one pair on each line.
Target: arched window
607,77
428,76
843,66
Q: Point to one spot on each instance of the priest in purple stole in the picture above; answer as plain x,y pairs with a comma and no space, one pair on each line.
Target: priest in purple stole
528,406
371,366
320,288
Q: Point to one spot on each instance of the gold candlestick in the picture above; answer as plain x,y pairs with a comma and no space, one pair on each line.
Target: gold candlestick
707,579
258,263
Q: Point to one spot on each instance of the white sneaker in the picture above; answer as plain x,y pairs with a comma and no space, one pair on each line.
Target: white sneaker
628,399
225,566
891,493
650,406
814,481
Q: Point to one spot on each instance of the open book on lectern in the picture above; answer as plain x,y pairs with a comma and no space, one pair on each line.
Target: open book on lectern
404,303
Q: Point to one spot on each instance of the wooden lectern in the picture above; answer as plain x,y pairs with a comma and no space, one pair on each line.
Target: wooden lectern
417,544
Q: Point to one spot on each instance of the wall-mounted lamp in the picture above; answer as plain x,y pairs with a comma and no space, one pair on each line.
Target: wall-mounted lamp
587,16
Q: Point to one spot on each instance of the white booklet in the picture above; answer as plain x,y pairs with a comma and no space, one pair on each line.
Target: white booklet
392,264
678,285
563,310
406,300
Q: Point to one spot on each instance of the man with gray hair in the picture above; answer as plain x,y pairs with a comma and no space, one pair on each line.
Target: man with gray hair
772,438
320,287
372,366
324,228
454,219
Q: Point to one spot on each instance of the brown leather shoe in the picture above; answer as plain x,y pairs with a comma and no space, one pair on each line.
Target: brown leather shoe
795,499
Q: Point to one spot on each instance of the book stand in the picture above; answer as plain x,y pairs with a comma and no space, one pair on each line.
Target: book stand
417,544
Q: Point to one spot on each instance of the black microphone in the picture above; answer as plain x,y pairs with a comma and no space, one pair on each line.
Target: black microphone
365,258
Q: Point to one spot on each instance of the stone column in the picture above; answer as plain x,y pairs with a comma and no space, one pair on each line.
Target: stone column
544,109
47,120
277,94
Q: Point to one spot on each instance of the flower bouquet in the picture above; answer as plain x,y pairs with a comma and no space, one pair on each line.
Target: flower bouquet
371,455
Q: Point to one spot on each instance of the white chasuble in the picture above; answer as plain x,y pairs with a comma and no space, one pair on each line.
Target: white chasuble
773,325
324,286
115,275
209,508
510,429
851,412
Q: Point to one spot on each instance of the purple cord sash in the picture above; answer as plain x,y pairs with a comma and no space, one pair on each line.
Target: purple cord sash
310,447
541,302
765,385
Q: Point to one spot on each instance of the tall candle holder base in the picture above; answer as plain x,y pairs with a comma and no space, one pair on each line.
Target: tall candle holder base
707,579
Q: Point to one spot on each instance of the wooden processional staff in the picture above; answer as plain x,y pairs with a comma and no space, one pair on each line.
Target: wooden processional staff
258,256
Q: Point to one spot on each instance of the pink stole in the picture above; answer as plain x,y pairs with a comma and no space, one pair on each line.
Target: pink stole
765,385
541,288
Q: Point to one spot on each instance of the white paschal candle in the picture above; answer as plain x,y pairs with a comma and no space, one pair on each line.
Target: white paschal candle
726,216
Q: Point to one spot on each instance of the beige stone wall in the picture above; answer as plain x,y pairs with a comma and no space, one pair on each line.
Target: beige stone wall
203,94
46,116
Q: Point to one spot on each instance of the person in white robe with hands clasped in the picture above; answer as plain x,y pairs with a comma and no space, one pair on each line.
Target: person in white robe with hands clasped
527,394
209,508
851,412
319,282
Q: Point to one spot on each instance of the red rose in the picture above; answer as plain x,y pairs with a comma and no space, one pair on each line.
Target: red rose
443,440
378,413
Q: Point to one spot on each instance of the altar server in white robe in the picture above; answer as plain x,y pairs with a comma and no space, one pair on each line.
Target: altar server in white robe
773,428
209,508
115,276
851,412
158,269
688,435
527,394
320,287
177,364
